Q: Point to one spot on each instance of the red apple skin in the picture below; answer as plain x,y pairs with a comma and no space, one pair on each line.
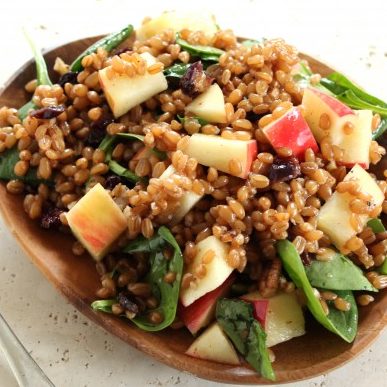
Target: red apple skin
201,312
338,107
291,131
259,309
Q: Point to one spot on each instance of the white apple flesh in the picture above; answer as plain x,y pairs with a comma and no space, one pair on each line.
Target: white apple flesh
284,318
209,105
187,201
123,92
334,218
214,345
317,103
217,152
217,270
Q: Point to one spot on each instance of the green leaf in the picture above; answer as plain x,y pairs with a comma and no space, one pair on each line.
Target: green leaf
383,268
341,80
353,101
303,78
340,273
41,68
376,225
257,354
131,136
123,172
103,305
346,325
237,320
200,121
177,70
25,109
108,43
8,159
207,53
168,294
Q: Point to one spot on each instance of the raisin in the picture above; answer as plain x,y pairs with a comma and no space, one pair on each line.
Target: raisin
70,77
284,169
128,302
195,80
48,112
111,181
51,218
306,259
97,132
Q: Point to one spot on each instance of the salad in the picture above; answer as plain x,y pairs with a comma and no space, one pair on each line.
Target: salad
219,184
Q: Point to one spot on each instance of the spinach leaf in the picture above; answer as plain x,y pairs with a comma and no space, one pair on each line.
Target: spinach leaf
8,159
107,146
123,172
177,70
344,326
376,225
340,80
41,68
103,305
237,320
303,78
340,273
168,294
108,43
200,121
207,53
383,268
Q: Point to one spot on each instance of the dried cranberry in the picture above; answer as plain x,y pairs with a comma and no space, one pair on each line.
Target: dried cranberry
128,302
51,218
284,169
97,132
111,181
195,80
70,77
48,112
306,259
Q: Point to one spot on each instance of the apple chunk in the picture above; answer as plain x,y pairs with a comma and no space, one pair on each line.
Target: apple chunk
177,21
218,152
284,317
124,92
291,131
334,218
217,270
187,201
214,345
202,311
316,103
96,221
209,105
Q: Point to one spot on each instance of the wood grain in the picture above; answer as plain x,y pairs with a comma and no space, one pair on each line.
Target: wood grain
317,352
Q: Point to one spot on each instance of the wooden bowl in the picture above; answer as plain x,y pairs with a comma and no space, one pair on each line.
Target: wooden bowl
317,352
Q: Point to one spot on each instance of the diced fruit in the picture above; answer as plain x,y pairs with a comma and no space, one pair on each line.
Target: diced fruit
214,345
96,221
316,103
124,92
208,275
221,153
260,310
291,131
334,218
177,21
187,201
202,311
356,143
209,105
284,319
